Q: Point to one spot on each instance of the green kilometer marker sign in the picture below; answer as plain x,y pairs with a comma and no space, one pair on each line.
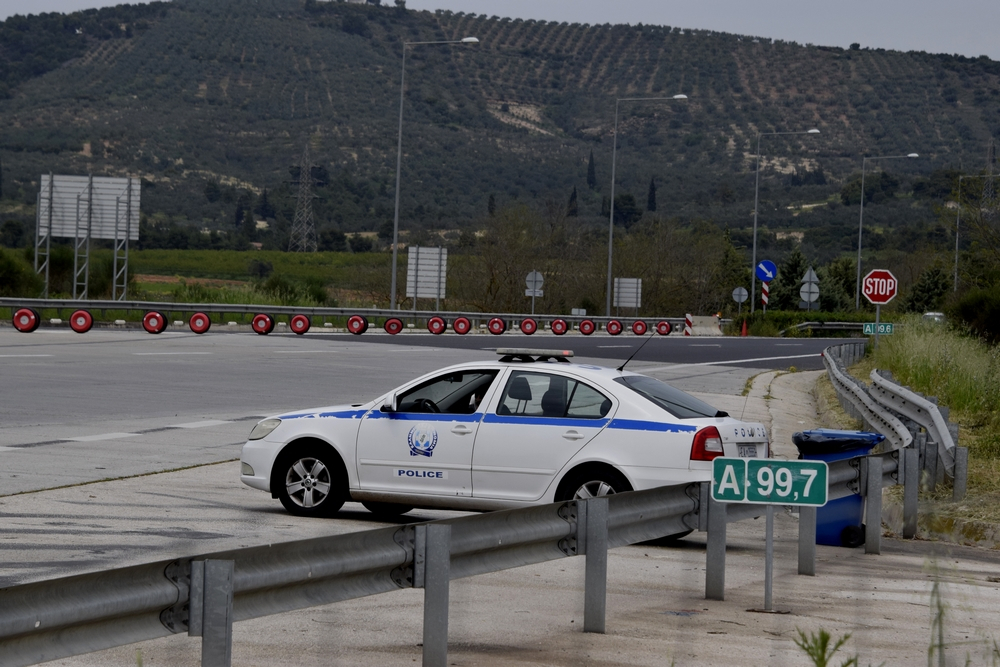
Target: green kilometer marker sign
882,328
769,481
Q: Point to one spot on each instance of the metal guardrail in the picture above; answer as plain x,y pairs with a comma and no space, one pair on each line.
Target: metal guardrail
825,326
677,323
854,396
906,418
203,595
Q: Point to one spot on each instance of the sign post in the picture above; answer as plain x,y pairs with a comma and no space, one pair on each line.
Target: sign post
770,482
879,287
739,296
534,281
765,271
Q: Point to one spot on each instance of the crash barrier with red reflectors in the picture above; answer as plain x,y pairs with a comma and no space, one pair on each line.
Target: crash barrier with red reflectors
202,595
156,316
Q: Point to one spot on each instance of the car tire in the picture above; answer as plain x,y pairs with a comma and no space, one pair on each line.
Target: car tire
852,536
461,325
81,321
357,324
587,327
199,323
154,322
310,481
559,327
26,320
393,326
663,328
436,325
299,324
262,324
591,483
388,510
613,327
528,326
496,326
639,328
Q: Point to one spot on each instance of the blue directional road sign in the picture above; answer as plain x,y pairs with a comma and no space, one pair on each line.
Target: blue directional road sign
766,271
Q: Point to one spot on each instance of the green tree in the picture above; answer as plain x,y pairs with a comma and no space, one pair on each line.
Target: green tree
572,209
785,289
651,196
928,292
491,204
878,187
212,191
591,173
733,270
837,282
627,211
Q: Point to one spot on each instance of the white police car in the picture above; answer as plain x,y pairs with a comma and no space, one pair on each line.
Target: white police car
527,429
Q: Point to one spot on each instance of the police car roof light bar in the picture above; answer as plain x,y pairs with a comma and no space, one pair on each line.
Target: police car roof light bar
531,355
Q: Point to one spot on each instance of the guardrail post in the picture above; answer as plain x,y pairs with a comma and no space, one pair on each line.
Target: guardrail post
437,580
210,610
715,552
911,485
931,462
595,525
807,540
873,506
961,473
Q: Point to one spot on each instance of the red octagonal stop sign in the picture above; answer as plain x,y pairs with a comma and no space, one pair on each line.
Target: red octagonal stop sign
879,287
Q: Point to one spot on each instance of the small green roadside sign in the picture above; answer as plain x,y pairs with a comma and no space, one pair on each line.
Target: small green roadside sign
769,481
882,328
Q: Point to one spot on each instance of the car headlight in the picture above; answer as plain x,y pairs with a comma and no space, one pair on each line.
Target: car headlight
264,428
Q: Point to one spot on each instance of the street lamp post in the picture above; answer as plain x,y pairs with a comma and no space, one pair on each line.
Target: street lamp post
614,158
756,191
399,155
861,217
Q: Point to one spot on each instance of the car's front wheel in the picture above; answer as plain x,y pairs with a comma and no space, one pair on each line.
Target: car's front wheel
310,482
592,483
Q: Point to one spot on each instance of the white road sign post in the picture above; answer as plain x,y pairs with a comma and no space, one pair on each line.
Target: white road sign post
628,293
426,274
534,282
771,482
740,295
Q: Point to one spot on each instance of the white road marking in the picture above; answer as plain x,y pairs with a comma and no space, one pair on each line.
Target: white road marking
306,351
610,346
102,436
160,354
18,356
10,449
704,345
201,424
729,362
788,344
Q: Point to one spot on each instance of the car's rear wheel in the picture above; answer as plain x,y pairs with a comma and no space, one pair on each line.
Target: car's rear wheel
592,483
310,482
386,509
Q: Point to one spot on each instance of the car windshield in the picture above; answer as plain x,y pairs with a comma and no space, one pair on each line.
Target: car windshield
674,401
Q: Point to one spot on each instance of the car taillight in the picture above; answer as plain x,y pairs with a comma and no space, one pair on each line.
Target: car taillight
707,444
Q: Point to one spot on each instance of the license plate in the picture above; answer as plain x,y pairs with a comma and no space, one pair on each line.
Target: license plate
748,451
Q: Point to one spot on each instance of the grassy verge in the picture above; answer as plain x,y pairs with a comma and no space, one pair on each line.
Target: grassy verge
964,373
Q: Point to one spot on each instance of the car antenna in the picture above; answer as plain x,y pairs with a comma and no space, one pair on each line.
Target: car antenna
622,367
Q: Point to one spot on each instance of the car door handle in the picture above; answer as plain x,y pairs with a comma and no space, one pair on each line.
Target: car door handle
461,429
573,435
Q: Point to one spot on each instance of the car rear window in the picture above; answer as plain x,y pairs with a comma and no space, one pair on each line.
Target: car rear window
671,399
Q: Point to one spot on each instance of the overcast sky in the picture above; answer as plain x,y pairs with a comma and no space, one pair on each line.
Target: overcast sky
968,27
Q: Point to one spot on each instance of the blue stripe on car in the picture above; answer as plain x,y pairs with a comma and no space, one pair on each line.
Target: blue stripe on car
425,416
342,414
662,427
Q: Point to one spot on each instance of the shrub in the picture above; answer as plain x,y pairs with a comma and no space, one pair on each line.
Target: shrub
980,311
17,277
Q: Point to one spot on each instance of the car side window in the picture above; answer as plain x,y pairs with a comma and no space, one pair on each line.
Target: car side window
454,393
529,394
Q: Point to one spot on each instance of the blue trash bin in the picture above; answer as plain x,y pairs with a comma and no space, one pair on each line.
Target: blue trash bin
839,522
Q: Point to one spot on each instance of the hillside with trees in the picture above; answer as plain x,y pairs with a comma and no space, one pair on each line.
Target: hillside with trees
212,101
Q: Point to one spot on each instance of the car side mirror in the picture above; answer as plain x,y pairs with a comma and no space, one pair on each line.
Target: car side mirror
389,405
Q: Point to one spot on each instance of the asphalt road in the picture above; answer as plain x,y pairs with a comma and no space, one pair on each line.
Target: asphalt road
767,353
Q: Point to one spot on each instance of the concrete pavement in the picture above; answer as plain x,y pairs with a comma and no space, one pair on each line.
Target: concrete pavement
657,614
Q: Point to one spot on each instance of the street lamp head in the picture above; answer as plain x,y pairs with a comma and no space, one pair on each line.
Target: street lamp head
470,40
912,155
679,97
812,131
